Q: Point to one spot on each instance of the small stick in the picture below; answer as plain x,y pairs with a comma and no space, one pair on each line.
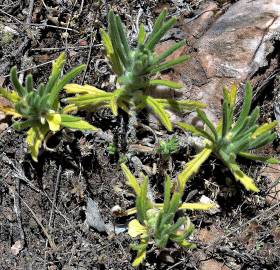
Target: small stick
18,212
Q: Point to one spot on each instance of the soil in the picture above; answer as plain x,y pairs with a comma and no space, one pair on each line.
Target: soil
43,205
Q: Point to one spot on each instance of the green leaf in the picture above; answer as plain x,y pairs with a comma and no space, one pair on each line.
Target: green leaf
142,201
265,159
155,37
29,83
57,67
63,81
123,37
195,131
141,34
197,206
23,124
181,105
167,191
166,83
192,167
244,179
12,96
17,85
110,53
159,21
170,51
245,108
34,139
262,140
91,99
202,115
73,88
131,180
264,129
74,122
168,64
254,116
159,112
227,115
116,40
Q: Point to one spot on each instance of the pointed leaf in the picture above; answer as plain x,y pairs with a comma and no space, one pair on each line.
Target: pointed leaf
197,206
169,51
159,112
12,96
166,83
82,89
10,111
265,159
168,64
141,34
74,122
131,180
264,128
244,179
192,167
195,131
202,115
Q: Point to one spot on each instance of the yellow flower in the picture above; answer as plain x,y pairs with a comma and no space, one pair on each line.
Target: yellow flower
136,229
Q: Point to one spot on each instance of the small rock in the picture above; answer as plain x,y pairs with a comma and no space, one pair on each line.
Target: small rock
214,210
17,247
210,235
213,265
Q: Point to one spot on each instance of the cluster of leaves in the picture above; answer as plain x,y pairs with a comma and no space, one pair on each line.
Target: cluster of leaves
167,148
156,223
134,68
231,138
39,110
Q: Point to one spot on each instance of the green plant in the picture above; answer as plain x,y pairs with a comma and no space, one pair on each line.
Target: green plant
39,109
232,138
167,148
156,222
112,149
135,68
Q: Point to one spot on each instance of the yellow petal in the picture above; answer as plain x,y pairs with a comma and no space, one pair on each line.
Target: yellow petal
54,121
135,229
139,259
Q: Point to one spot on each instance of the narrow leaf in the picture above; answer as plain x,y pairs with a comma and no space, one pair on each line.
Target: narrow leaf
192,167
74,122
195,131
169,51
131,180
265,159
159,112
168,64
166,83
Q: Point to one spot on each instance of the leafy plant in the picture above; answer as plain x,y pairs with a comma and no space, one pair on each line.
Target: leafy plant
156,223
232,138
135,68
167,148
39,109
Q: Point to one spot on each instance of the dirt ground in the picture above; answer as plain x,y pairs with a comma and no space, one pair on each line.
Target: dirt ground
43,205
